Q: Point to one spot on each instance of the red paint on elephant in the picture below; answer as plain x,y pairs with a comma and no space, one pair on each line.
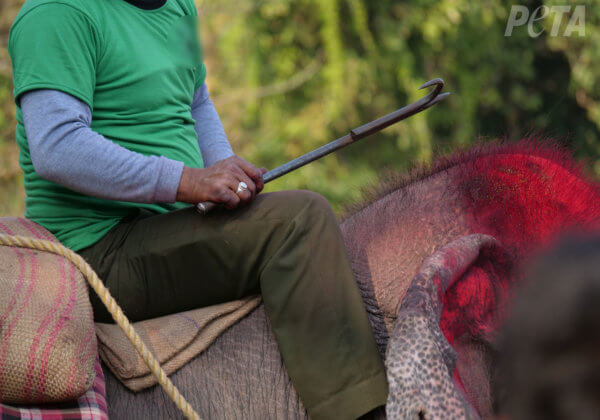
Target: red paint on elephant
525,196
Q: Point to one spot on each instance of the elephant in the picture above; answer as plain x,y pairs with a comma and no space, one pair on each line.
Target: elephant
436,253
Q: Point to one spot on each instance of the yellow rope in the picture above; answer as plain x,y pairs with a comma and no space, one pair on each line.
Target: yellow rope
113,308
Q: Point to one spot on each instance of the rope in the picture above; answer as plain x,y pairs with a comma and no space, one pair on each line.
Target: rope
114,309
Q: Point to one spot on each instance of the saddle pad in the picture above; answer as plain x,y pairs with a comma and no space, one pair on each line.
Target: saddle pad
173,339
47,340
90,406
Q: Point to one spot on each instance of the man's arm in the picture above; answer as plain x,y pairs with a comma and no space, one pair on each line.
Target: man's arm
64,149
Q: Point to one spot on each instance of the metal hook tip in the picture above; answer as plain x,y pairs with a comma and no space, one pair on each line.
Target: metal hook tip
436,81
437,99
442,96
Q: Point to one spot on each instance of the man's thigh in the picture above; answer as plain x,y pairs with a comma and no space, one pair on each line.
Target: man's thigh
184,260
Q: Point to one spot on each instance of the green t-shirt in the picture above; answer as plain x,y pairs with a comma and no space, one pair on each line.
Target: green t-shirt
136,69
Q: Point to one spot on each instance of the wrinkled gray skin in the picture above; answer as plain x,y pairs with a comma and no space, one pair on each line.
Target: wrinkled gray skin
242,376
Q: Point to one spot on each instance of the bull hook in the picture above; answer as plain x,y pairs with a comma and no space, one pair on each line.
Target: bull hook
432,98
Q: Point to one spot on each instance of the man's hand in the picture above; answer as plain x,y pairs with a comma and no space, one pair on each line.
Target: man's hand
218,183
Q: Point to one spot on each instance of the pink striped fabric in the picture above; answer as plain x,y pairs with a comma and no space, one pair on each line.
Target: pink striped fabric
47,340
90,406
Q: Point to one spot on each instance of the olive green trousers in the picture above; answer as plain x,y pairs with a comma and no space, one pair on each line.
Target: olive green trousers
286,246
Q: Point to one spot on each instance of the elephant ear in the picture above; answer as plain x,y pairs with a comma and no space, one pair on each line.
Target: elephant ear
438,358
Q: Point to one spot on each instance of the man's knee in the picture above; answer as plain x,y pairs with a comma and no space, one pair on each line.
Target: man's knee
314,201
290,204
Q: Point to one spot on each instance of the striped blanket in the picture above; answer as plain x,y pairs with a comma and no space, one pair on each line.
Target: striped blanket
90,406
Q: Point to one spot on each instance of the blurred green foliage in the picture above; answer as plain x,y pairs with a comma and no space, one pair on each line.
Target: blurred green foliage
288,75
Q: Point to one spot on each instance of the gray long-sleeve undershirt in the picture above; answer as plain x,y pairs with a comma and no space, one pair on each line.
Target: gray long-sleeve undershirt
64,149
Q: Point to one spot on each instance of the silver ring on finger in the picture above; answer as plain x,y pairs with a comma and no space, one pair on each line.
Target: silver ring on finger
242,186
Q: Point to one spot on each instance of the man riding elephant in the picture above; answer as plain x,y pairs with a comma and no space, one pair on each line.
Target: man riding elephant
118,137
